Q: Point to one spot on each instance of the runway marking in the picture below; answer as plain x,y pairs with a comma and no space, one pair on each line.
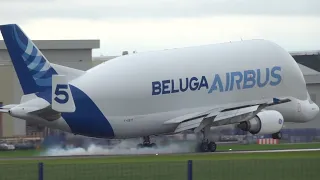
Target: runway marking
269,151
105,155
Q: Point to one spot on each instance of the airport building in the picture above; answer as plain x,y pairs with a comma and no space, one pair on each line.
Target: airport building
78,54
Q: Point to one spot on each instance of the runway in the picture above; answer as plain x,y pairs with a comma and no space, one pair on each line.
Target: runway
166,154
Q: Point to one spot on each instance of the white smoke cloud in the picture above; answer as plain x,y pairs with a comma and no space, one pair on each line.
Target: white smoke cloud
126,147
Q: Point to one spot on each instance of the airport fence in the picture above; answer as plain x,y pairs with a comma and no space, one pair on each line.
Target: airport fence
276,169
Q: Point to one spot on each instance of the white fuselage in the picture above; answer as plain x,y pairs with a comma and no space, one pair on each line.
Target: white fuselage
138,93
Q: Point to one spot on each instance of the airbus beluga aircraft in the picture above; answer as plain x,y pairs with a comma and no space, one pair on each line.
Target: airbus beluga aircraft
254,83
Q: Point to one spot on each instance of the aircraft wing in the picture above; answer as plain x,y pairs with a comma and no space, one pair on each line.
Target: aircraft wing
223,115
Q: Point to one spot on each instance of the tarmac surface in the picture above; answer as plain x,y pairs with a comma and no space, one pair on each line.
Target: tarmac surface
104,156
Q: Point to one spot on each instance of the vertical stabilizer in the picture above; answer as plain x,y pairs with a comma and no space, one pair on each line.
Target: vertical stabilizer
33,69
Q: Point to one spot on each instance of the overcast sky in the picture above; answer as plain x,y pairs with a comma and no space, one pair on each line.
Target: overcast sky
145,25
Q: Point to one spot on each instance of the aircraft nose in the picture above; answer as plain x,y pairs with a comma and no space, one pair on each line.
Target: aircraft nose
315,109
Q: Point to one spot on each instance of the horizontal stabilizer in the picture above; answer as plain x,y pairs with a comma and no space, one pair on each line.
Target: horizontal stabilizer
62,99
22,110
6,108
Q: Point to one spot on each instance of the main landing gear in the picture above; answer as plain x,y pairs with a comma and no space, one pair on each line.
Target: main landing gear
277,135
206,145
146,143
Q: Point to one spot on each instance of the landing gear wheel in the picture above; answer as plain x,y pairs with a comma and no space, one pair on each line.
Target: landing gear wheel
139,146
207,147
153,145
204,147
146,143
212,146
277,135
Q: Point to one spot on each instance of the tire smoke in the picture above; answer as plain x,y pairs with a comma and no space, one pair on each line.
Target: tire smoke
125,147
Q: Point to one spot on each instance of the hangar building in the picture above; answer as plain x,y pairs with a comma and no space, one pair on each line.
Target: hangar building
71,53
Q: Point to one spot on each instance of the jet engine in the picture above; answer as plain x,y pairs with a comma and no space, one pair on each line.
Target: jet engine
265,122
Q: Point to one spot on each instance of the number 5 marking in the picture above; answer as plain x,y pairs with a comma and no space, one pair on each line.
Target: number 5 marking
61,90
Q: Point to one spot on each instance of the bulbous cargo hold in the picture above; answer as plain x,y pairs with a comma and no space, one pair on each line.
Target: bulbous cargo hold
193,77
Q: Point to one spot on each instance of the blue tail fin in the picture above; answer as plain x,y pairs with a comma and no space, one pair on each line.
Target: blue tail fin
33,69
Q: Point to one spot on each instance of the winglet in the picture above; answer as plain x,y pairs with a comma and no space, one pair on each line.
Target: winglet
62,99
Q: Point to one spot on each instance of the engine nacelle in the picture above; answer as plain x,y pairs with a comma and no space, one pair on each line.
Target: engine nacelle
265,122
